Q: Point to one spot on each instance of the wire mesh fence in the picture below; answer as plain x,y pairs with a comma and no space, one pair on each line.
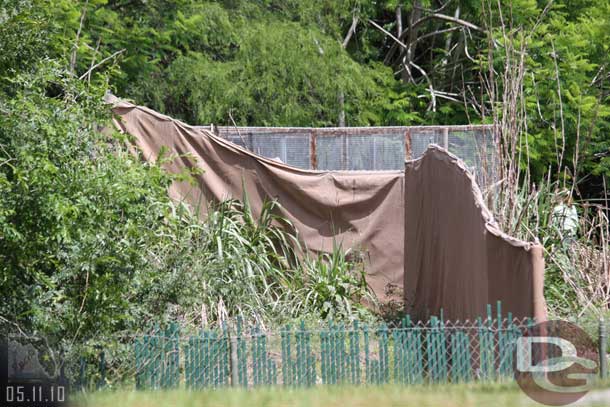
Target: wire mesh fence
368,148
435,351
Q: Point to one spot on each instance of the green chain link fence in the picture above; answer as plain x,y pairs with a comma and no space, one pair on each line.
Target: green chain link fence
436,351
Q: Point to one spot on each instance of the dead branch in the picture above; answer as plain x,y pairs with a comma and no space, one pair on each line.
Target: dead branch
430,87
83,76
437,32
95,51
563,134
75,47
450,19
438,10
389,34
351,32
399,21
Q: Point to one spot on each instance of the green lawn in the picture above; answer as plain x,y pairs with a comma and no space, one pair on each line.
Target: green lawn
420,396
479,395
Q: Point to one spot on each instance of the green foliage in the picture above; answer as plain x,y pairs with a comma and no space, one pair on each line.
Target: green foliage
91,244
78,212
239,264
274,63
88,236
562,98
265,63
23,34
281,75
336,285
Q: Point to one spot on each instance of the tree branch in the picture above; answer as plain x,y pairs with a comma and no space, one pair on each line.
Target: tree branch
450,19
438,10
75,47
95,51
389,34
430,87
83,76
437,32
351,32
398,21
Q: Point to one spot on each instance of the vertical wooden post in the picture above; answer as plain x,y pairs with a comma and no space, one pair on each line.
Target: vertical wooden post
345,153
102,368
603,363
313,150
408,150
234,366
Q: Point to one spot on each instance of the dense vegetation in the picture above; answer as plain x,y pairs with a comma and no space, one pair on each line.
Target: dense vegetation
91,244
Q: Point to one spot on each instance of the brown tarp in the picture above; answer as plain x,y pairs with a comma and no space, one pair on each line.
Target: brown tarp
453,256
456,258
361,210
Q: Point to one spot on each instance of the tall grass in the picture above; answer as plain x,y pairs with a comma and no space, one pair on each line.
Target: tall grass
235,262
577,281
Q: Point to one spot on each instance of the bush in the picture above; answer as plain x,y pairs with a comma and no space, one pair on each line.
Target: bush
91,244
79,215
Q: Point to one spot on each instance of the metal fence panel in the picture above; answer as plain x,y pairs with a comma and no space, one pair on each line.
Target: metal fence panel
379,152
330,153
435,351
478,149
369,148
421,138
292,148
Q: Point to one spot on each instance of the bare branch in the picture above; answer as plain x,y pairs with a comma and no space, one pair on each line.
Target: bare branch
95,51
450,19
75,47
389,34
430,87
83,76
466,50
437,32
399,21
438,10
351,32
563,133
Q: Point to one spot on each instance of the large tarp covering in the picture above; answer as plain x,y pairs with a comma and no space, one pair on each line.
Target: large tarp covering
449,253
456,257
361,210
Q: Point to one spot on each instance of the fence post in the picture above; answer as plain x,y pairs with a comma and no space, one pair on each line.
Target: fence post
234,366
242,354
81,374
603,367
102,365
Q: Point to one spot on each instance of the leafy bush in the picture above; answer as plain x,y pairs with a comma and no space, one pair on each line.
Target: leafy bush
91,244
336,285
78,213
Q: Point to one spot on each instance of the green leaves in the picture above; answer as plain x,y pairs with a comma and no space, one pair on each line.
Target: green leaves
78,215
279,74
334,284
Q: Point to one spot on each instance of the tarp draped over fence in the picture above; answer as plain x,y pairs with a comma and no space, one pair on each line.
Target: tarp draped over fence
452,256
456,257
361,210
